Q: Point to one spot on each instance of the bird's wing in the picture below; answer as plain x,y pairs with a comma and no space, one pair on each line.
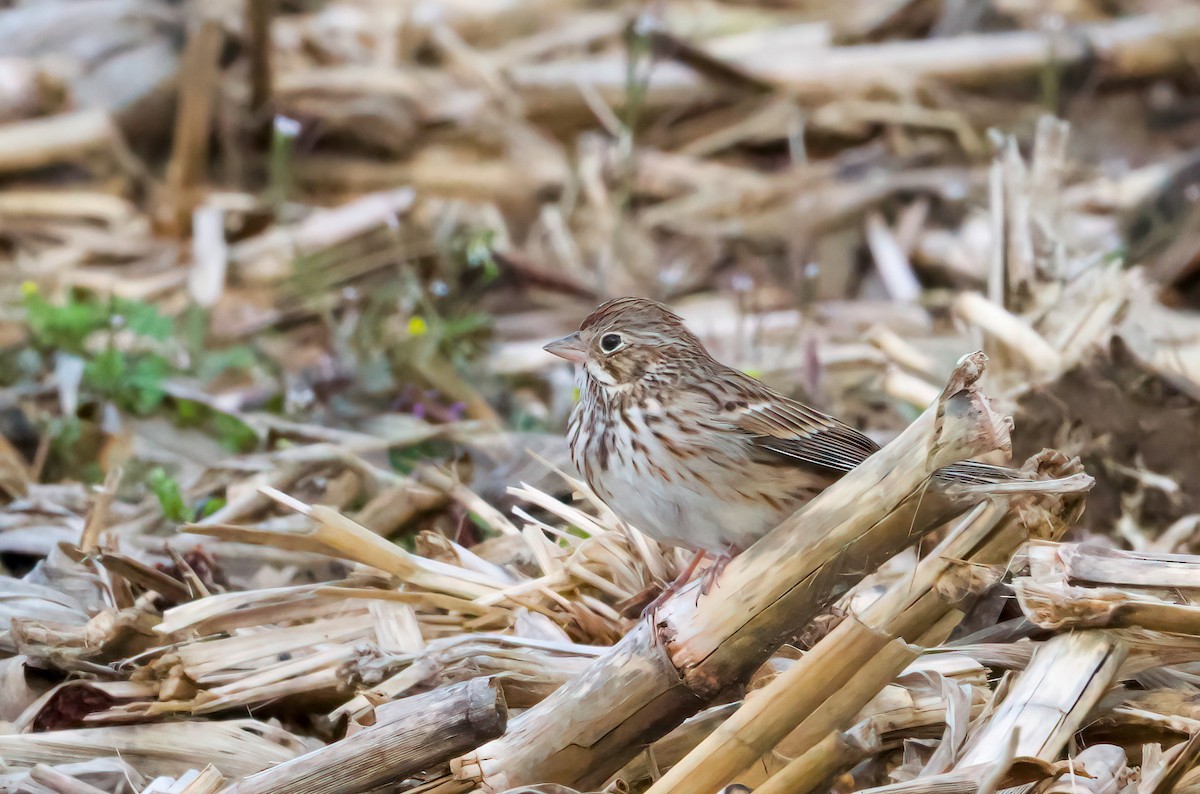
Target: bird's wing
784,427
792,430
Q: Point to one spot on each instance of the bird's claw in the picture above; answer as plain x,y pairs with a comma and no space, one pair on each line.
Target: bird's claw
713,573
652,608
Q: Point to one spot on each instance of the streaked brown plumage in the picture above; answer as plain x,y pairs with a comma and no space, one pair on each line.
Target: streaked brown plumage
692,452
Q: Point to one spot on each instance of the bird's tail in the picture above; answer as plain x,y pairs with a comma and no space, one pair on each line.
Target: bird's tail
971,477
971,472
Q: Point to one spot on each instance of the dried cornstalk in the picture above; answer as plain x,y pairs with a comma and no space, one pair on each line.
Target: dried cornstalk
827,678
1142,45
1148,599
104,775
972,780
882,725
667,751
902,709
531,669
65,137
60,783
1017,335
866,652
1163,771
659,675
1098,565
1050,698
271,255
1098,769
815,737
1058,605
336,535
226,612
194,117
236,747
838,750
410,735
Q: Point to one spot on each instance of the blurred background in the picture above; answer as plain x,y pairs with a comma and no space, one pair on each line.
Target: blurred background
230,227
226,223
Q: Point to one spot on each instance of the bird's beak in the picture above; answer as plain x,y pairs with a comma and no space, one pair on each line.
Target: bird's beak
569,347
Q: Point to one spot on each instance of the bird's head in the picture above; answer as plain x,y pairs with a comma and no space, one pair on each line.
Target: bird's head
626,339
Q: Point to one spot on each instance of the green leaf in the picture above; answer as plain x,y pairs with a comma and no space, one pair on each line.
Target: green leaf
144,390
235,435
92,473
106,372
143,319
189,413
406,459
209,506
219,361
193,329
486,530
64,327
65,432
135,385
466,325
169,494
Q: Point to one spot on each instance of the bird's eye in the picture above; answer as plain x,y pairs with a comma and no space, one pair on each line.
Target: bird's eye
610,342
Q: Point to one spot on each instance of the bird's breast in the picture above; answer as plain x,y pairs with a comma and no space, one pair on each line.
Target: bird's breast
685,486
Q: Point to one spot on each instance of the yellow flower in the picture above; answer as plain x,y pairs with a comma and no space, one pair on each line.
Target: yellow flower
417,326
28,288
575,394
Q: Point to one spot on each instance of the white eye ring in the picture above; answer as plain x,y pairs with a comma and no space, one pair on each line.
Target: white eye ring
609,343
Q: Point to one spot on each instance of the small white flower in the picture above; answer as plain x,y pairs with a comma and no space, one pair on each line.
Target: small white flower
287,127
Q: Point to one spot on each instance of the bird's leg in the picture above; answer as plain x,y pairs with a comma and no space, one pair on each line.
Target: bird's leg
675,586
711,574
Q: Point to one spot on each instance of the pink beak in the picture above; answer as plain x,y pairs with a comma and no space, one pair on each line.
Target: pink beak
569,347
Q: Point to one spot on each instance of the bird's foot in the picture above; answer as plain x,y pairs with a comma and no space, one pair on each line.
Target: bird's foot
674,587
713,572
650,612
651,609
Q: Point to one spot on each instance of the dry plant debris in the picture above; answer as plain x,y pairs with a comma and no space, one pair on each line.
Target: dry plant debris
284,498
